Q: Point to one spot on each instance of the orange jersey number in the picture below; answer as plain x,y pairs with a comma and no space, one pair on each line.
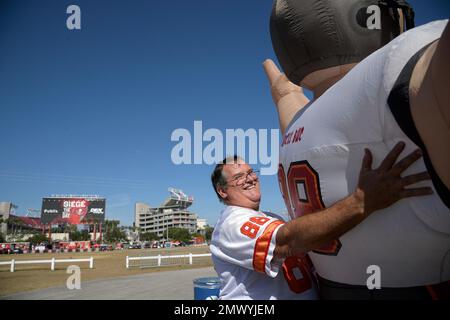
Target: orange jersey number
302,196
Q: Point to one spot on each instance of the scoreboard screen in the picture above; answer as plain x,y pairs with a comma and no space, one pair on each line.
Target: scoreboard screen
73,210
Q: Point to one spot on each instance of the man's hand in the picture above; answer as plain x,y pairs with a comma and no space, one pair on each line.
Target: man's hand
379,188
288,97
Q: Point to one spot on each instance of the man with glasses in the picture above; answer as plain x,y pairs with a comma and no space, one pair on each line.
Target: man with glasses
259,256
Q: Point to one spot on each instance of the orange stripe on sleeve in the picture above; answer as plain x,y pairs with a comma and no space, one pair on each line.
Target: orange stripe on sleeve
262,246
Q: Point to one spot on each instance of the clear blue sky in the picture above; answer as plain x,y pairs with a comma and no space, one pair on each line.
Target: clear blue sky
92,110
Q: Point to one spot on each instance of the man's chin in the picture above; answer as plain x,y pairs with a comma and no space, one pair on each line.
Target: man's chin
255,199
253,195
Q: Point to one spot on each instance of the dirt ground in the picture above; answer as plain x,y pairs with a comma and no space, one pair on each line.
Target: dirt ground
109,264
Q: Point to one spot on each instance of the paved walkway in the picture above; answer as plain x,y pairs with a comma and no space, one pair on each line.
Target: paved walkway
164,285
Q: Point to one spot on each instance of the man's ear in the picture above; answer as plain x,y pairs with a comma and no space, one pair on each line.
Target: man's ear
222,192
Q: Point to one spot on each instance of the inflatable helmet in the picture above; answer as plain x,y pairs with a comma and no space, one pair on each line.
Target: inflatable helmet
310,35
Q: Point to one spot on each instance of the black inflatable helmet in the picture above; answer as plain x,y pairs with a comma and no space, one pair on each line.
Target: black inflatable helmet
310,35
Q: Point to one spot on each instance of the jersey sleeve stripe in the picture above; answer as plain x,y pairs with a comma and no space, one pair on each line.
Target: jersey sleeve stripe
262,246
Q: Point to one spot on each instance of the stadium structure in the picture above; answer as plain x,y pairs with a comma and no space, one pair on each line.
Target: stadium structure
11,223
57,211
172,213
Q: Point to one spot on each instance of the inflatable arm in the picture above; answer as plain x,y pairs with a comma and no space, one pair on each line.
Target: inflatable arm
288,97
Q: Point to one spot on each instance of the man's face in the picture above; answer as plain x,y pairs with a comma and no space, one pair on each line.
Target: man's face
242,186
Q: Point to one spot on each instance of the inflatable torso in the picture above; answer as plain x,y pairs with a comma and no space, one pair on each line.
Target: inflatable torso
320,159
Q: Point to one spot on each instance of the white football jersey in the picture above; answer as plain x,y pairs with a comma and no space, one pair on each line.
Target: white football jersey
320,159
242,248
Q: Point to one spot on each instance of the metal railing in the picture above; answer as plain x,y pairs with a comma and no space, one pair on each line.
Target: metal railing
163,261
52,262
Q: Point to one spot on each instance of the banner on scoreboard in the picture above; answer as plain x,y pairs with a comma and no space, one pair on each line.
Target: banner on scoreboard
72,210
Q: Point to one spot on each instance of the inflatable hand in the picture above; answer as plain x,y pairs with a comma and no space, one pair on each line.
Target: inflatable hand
288,97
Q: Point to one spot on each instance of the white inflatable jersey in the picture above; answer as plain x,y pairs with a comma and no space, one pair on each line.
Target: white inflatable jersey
320,159
242,248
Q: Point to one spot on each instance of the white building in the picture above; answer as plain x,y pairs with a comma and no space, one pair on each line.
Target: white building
6,209
201,224
173,213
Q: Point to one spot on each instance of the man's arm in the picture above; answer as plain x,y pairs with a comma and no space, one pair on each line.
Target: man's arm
377,189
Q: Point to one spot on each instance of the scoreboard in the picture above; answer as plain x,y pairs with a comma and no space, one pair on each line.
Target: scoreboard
79,210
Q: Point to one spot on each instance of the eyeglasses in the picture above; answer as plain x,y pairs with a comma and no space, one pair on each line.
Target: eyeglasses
241,178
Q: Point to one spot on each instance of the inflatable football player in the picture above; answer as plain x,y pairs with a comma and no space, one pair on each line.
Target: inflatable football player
374,84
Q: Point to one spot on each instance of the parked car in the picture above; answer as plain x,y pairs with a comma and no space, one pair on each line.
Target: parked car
17,251
5,250
41,247
136,246
106,247
126,246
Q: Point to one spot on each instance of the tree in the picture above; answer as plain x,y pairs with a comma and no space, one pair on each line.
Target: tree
79,235
69,228
208,232
179,234
112,232
38,239
110,224
2,238
15,224
114,235
148,236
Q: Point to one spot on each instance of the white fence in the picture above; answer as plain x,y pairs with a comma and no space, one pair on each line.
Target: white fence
163,261
52,262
